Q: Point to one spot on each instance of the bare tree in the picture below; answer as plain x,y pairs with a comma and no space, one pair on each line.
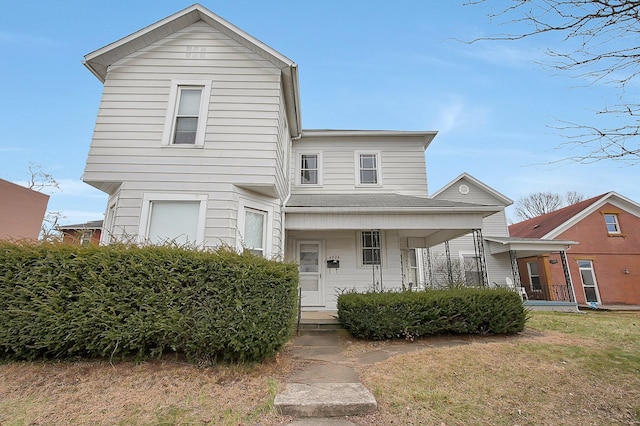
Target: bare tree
38,180
601,38
540,203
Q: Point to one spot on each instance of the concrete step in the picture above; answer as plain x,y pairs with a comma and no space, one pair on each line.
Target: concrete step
325,400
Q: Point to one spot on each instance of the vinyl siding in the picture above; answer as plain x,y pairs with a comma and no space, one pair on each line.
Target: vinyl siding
401,160
343,244
245,144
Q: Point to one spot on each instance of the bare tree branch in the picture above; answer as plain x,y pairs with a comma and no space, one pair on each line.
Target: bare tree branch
540,203
602,38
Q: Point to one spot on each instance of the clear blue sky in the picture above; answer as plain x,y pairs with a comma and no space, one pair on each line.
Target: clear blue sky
364,64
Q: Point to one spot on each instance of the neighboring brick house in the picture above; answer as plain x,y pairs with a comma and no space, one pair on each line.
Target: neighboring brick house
21,211
604,266
82,233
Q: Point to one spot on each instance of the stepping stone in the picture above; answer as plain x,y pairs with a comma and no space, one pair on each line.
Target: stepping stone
325,400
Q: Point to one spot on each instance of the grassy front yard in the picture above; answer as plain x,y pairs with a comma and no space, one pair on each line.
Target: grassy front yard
565,369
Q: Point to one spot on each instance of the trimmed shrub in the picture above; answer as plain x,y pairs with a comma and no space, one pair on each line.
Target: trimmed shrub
61,301
392,315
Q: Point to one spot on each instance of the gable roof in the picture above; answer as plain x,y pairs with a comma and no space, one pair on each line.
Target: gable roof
552,224
98,61
466,176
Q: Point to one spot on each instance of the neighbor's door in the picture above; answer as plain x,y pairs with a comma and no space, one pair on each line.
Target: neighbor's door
309,255
589,283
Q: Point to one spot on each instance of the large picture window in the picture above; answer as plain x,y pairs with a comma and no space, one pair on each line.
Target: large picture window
173,218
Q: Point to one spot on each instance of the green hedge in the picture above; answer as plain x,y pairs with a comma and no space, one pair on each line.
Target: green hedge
391,315
61,301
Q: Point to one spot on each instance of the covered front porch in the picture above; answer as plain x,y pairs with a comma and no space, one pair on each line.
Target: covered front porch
367,242
540,271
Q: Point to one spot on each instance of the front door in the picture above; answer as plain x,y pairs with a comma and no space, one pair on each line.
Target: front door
309,255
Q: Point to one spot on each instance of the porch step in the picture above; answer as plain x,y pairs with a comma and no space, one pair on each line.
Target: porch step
319,321
325,400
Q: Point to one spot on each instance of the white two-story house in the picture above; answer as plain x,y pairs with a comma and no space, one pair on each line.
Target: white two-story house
199,140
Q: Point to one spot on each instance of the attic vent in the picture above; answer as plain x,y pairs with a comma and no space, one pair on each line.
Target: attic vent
196,52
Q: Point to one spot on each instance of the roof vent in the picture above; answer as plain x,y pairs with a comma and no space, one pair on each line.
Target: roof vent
536,226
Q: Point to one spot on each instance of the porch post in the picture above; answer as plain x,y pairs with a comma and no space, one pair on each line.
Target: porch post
481,262
449,266
514,268
567,276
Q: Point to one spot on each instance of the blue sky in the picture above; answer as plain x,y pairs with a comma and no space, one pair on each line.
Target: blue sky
364,64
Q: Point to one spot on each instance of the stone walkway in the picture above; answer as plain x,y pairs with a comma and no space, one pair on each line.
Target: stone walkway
328,385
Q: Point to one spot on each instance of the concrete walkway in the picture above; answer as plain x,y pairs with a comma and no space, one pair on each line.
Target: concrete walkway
329,384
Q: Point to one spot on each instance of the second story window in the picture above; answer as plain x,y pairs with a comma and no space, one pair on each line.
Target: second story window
368,168
611,220
309,169
186,126
187,113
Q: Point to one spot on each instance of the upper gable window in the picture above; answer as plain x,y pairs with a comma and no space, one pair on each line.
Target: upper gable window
186,120
611,220
368,168
310,167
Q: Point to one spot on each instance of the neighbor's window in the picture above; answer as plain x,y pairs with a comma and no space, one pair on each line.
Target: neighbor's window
611,219
254,230
371,247
470,264
309,169
534,276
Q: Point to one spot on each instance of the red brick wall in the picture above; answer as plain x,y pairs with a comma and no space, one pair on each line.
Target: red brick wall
611,254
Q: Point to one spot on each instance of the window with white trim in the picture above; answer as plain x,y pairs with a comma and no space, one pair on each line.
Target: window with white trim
471,268
534,276
173,218
368,168
186,119
255,230
611,220
370,248
309,169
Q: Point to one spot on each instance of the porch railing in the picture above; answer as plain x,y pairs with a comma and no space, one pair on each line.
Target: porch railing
551,292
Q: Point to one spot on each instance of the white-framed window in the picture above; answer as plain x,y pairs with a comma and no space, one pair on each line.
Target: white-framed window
611,220
255,226
108,227
255,231
173,218
186,120
368,168
534,276
589,283
370,246
310,164
471,268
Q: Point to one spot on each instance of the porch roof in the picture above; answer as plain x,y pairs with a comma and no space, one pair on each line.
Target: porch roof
526,247
420,221
376,202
